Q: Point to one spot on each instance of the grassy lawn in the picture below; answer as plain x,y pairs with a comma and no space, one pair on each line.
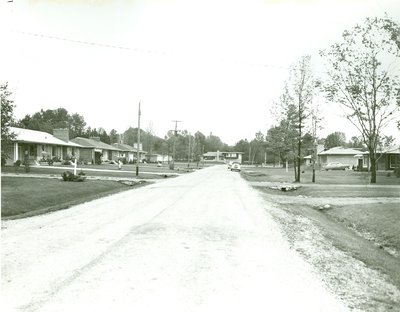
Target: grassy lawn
23,197
146,171
261,174
370,212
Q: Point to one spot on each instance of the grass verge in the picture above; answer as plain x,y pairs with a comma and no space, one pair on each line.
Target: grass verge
25,197
361,219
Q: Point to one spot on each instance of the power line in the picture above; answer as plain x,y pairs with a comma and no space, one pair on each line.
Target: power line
89,43
148,51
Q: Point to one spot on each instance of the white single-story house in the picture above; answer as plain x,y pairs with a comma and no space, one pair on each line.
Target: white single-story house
95,151
223,156
38,145
129,152
153,158
348,156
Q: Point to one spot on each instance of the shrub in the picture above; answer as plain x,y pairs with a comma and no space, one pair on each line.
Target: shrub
70,177
67,162
56,159
18,163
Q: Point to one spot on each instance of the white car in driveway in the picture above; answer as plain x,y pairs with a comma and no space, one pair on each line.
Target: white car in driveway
335,166
236,167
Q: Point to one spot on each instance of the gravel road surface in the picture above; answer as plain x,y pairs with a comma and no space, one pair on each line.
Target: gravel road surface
200,242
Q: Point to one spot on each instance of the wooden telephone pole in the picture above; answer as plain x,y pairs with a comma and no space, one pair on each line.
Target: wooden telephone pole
172,166
138,143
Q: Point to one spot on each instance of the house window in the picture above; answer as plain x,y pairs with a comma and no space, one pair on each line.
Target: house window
53,151
32,150
394,161
42,148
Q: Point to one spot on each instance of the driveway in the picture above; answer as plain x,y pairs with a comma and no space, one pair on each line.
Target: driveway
200,242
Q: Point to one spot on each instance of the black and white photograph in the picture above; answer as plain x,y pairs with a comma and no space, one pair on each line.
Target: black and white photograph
200,155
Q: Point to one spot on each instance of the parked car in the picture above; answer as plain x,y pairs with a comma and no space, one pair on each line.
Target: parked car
335,166
236,167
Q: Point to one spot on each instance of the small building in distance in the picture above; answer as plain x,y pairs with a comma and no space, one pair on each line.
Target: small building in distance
223,157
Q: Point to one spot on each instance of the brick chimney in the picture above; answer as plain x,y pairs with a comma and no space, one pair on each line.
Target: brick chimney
62,134
95,139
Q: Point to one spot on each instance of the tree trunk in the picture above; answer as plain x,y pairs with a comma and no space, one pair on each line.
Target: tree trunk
373,167
313,172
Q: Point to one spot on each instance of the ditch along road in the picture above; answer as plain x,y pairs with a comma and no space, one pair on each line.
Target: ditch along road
200,242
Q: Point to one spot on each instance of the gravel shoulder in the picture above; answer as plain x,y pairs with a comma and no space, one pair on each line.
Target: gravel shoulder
364,275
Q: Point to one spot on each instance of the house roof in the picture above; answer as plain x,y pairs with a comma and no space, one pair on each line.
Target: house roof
212,154
340,151
392,150
220,153
40,137
92,143
126,148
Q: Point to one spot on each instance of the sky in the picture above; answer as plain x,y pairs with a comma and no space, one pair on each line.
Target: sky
215,65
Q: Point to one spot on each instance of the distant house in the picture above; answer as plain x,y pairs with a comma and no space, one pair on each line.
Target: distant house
223,156
39,145
388,158
95,151
129,153
343,155
153,158
308,159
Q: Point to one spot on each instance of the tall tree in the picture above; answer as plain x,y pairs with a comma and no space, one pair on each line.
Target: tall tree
355,142
257,148
7,118
76,125
295,101
316,119
303,84
243,146
104,137
198,146
50,119
275,143
335,139
114,136
213,143
363,72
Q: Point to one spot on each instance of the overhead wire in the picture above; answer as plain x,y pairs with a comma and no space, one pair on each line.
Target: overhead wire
148,51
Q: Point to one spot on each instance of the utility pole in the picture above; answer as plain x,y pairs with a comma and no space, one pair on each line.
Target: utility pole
172,167
138,143
202,155
189,152
314,154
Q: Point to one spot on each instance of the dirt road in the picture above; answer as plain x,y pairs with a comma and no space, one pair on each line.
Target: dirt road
199,242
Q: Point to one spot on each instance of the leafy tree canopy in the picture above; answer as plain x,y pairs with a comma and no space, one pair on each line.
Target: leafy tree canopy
7,119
